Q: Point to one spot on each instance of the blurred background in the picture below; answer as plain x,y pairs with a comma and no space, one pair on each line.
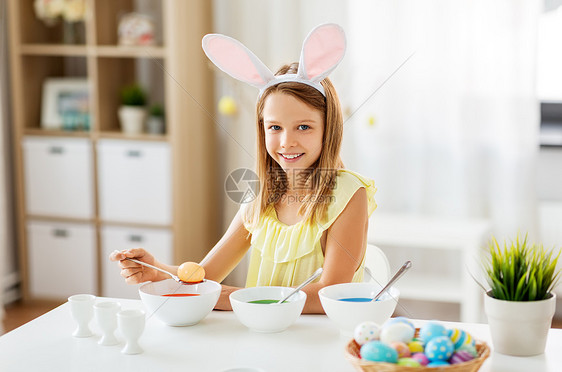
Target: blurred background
454,108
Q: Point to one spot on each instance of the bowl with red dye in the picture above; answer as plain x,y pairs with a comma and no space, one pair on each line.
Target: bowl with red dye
178,304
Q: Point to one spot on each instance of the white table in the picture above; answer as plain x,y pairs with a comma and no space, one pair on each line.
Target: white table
217,343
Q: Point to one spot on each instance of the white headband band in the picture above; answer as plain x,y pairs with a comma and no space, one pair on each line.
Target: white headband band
322,51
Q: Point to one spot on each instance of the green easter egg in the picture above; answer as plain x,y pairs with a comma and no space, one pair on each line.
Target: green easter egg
408,362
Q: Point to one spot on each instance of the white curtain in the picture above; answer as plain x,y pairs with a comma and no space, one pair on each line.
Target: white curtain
455,129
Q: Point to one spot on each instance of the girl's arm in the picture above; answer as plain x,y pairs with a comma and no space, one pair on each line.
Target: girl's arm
218,263
224,257
344,250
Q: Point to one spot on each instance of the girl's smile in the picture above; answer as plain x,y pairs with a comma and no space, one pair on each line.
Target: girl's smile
293,131
291,157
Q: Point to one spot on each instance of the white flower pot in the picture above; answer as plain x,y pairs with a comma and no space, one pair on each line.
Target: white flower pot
155,125
132,119
519,328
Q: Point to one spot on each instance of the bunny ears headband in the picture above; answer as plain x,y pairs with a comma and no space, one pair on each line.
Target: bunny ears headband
322,50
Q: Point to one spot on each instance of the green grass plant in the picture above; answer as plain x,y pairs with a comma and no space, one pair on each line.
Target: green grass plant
520,271
133,95
156,110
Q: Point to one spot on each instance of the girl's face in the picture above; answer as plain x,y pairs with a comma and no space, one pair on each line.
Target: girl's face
293,132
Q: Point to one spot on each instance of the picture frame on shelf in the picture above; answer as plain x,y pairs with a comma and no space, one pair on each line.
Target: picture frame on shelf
66,104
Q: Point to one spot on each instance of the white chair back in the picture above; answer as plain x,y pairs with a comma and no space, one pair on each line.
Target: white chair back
376,263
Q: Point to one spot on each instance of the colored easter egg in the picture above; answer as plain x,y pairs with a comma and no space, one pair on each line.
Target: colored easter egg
460,357
460,337
431,330
366,331
439,348
400,319
397,332
421,358
377,351
416,347
470,348
438,363
191,272
408,362
401,348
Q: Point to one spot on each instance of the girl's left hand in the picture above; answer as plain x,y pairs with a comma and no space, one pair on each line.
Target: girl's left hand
224,301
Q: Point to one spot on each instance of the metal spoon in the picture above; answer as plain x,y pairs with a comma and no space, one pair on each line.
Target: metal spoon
307,281
396,276
175,277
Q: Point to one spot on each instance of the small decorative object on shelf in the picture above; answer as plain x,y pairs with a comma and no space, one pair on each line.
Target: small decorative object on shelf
520,303
132,112
65,104
136,29
72,13
155,123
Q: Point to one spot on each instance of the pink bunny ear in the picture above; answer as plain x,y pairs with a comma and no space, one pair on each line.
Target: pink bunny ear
322,51
232,57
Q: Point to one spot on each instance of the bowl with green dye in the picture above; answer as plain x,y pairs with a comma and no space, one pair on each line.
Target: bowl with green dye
257,307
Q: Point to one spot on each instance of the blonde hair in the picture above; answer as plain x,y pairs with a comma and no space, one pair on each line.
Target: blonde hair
320,178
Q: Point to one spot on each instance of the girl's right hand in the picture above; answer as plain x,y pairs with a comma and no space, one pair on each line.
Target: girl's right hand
133,272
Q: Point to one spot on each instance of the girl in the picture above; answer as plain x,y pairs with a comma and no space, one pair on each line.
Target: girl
309,211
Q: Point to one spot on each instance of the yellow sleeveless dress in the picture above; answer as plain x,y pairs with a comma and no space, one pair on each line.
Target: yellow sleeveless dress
283,255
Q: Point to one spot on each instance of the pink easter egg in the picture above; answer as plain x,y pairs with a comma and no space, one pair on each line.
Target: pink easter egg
402,349
421,358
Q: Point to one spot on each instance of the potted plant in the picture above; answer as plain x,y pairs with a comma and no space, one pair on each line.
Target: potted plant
155,123
132,112
520,303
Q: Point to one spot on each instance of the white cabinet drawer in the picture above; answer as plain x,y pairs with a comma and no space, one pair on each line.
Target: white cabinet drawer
62,259
134,182
58,176
157,241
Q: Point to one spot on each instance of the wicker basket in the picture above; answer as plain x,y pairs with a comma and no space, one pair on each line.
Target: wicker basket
352,354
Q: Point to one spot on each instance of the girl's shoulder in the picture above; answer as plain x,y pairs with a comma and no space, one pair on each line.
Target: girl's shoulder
347,184
350,179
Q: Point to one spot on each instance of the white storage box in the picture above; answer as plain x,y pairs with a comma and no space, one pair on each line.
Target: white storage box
58,177
62,259
157,241
135,182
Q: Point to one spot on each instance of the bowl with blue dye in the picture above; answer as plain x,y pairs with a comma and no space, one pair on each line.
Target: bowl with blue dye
349,304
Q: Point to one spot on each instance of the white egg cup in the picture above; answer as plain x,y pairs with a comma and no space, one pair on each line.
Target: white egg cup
131,326
82,310
106,316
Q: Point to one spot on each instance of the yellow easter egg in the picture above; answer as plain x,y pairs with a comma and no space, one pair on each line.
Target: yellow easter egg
190,272
415,347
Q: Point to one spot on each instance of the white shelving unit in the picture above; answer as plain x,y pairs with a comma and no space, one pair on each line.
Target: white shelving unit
442,252
82,194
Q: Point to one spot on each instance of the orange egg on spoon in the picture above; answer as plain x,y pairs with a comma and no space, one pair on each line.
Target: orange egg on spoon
191,272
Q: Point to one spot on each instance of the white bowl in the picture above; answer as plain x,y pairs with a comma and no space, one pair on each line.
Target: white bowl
347,315
267,317
179,311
